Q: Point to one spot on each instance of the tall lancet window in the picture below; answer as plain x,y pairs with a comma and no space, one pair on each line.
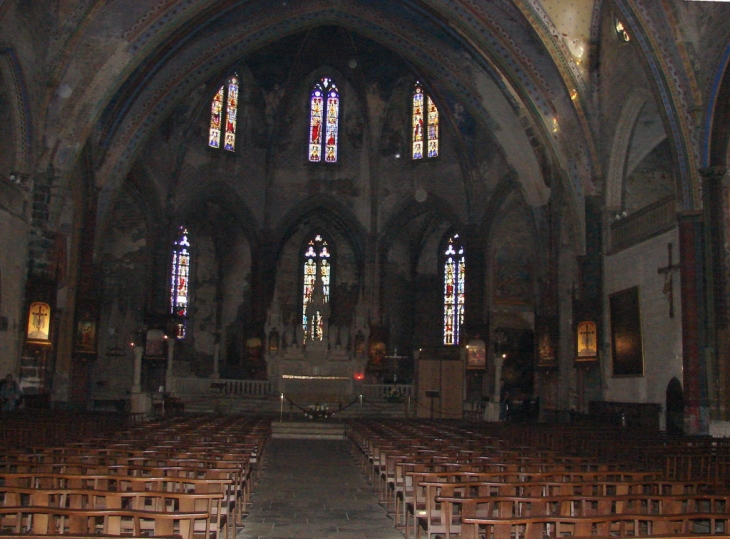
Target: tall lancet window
425,114
180,281
223,113
316,289
454,272
324,121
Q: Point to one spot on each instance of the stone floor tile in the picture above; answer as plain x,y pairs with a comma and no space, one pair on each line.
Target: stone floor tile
311,489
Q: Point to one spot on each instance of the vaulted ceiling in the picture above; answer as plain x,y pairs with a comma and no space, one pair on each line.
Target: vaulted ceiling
116,71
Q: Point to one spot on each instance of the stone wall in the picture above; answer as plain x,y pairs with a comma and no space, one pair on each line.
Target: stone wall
13,268
662,335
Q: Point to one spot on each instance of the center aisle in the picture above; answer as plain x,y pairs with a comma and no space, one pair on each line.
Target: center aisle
313,489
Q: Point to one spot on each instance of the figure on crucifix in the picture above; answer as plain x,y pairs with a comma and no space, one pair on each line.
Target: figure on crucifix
39,321
668,272
587,348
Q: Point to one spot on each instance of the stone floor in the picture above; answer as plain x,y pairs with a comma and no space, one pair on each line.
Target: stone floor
312,489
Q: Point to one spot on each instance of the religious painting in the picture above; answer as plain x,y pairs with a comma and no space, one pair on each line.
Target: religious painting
273,341
586,345
512,282
377,354
39,322
86,336
155,344
546,335
626,341
476,354
546,351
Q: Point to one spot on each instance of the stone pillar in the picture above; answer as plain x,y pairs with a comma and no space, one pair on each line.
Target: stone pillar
141,402
137,380
216,361
169,373
691,251
498,362
716,194
491,413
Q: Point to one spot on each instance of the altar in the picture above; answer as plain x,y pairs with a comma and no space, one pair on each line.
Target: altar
313,360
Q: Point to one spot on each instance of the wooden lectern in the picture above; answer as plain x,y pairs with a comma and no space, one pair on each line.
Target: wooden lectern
440,383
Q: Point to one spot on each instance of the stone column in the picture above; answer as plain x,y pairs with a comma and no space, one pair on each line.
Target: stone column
498,362
169,374
141,402
137,380
491,413
715,193
216,361
691,256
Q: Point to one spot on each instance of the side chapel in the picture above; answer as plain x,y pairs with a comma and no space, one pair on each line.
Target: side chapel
336,191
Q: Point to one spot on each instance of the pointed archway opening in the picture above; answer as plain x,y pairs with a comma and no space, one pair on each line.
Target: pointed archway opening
674,407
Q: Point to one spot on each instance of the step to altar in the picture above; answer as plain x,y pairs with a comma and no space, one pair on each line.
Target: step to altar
308,430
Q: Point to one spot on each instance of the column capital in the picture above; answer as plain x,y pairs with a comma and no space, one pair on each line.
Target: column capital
690,216
713,173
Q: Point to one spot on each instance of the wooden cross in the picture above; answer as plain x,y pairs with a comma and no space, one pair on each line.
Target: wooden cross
668,272
587,334
38,317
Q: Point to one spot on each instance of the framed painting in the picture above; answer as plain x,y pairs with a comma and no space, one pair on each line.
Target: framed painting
476,354
39,323
627,350
86,336
586,341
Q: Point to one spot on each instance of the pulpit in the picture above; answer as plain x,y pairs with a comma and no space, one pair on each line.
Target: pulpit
440,383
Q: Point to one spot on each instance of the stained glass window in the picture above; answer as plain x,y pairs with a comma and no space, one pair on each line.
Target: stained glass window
424,113
216,116
223,112
317,265
454,273
179,281
324,114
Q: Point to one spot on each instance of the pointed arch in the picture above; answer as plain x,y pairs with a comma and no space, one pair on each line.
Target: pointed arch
629,115
227,198
17,93
332,214
716,130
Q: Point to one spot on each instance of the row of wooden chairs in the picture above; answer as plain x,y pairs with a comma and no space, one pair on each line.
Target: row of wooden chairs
433,477
189,477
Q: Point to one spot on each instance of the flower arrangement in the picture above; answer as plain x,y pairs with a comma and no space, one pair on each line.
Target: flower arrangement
394,395
317,411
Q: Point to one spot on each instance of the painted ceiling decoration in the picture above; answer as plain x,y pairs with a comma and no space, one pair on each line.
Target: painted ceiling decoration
490,56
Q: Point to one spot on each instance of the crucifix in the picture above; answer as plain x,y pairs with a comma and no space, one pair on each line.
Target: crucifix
38,317
586,339
668,272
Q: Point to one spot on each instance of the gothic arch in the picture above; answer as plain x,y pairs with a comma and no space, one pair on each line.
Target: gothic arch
11,75
332,214
228,199
661,55
621,144
506,189
674,407
408,211
170,83
716,130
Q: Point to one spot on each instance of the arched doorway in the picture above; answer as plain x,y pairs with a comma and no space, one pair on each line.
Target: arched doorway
675,407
